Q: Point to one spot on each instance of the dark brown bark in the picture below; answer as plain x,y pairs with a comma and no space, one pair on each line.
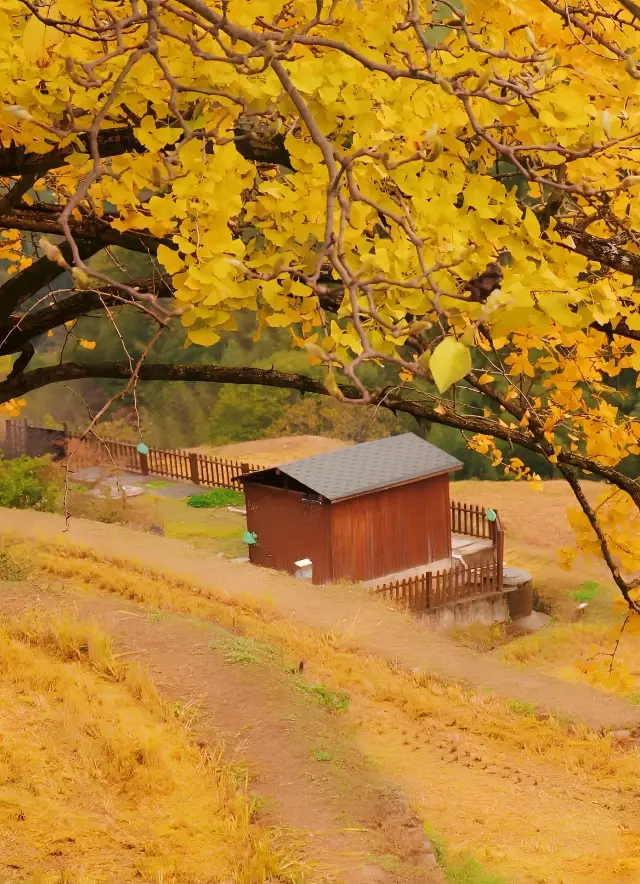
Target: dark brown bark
23,285
17,330
16,160
44,219
601,250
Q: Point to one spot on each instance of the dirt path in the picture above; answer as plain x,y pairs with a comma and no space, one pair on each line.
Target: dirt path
313,778
367,623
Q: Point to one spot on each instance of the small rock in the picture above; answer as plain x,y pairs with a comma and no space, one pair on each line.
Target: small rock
157,529
621,735
542,716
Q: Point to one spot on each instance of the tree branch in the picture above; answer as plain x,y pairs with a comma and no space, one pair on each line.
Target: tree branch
13,196
601,250
44,219
589,512
17,160
23,285
15,332
152,371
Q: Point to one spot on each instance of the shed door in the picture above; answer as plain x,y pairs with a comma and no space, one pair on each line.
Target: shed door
289,527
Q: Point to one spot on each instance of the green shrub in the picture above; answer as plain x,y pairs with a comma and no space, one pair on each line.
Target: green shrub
215,498
29,482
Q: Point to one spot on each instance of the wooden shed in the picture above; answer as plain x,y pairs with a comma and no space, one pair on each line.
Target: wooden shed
357,513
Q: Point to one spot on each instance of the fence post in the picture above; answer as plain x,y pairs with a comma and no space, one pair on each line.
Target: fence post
428,590
8,442
193,467
144,463
500,555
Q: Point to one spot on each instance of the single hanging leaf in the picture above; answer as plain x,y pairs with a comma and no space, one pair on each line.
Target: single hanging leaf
88,345
449,363
205,337
170,259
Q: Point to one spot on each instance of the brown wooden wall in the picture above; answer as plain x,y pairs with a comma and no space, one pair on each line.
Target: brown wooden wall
391,530
288,529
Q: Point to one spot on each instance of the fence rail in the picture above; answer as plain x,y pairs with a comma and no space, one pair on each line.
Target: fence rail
218,472
434,589
471,520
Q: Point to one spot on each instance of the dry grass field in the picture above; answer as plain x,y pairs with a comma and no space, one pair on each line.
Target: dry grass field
269,452
100,778
536,527
530,799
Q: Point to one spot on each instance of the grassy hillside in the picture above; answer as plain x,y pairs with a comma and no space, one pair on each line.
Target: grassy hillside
533,798
100,780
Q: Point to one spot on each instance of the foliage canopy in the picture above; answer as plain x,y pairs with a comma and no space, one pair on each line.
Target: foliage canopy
437,196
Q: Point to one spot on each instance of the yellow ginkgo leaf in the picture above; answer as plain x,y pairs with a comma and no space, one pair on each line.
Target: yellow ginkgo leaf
205,337
170,259
449,363
39,39
88,345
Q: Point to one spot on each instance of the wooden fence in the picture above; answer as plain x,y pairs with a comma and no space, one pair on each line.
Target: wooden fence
79,452
472,520
20,438
219,472
434,589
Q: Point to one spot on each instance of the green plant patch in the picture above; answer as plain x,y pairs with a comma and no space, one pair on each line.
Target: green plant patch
460,869
157,483
336,701
589,591
245,651
215,498
322,755
522,707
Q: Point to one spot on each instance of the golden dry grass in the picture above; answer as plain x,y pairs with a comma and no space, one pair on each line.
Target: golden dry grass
270,452
537,800
536,527
100,781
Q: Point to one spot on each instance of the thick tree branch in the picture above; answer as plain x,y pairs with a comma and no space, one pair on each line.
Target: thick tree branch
18,330
25,357
44,219
16,160
151,371
13,196
601,250
23,285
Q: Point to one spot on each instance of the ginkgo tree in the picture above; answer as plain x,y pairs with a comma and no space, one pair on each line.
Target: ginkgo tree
446,190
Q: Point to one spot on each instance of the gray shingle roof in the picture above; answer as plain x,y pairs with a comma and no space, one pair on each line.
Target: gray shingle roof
370,466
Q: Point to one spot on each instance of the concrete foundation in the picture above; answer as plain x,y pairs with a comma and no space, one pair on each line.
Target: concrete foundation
512,603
